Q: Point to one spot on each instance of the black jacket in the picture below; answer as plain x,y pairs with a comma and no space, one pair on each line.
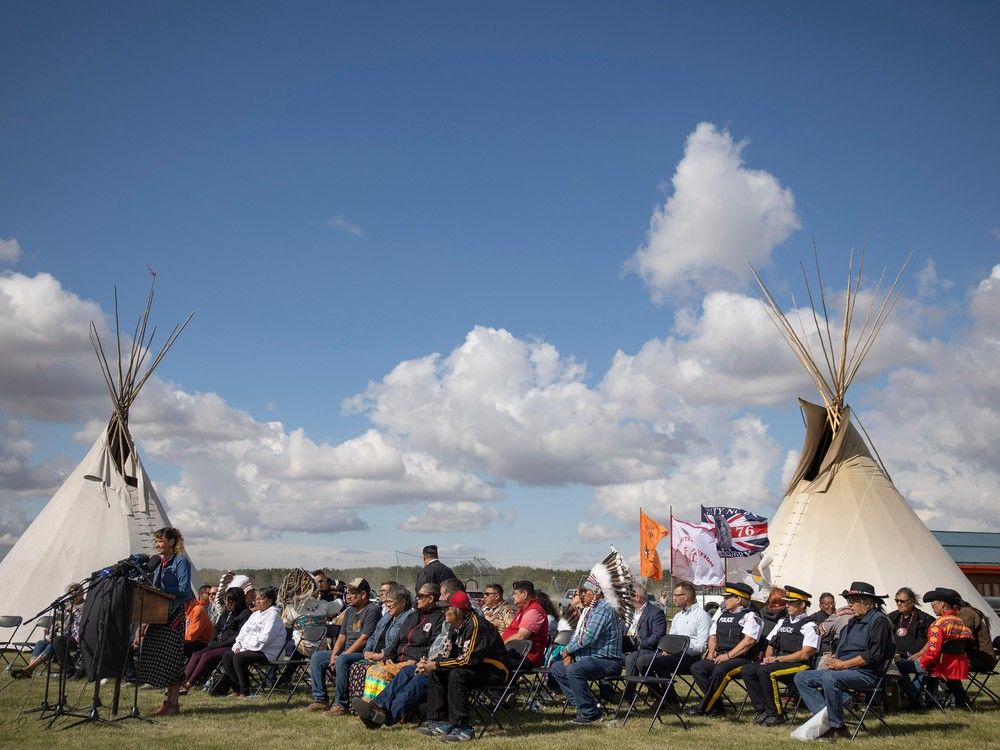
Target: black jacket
416,635
433,572
227,627
476,643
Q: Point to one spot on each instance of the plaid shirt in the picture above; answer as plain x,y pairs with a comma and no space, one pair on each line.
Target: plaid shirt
598,634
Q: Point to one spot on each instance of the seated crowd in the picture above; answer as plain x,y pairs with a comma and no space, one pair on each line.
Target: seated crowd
392,656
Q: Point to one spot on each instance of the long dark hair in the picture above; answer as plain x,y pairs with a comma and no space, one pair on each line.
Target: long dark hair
238,598
546,601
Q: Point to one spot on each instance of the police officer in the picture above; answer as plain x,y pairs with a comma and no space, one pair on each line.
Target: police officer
732,643
791,646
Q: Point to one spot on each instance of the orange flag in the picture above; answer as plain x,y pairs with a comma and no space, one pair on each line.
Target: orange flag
650,534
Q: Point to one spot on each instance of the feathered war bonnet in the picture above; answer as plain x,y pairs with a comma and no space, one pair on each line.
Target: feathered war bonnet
613,578
298,586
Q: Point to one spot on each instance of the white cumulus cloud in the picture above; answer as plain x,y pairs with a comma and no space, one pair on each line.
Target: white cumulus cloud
48,369
10,250
513,409
720,216
937,424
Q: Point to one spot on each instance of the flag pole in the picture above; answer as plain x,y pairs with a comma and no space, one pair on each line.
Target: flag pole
671,544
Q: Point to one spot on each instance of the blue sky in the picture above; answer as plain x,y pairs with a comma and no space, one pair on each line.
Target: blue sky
336,189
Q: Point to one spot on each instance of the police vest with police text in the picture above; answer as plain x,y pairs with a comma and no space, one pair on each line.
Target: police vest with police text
728,631
789,636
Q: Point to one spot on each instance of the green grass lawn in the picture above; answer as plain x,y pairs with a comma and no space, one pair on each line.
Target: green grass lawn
231,723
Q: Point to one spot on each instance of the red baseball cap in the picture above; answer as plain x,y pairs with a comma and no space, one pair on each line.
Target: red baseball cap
460,600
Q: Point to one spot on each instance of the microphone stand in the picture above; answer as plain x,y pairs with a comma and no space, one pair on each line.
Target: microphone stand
135,713
58,608
94,715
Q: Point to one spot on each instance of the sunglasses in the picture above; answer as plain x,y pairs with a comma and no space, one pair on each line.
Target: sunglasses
903,601
425,596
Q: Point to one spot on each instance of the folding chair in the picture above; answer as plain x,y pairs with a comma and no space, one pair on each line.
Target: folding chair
977,682
874,702
492,701
297,667
671,644
12,650
540,675
787,693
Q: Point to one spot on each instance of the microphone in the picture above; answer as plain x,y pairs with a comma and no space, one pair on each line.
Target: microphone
138,560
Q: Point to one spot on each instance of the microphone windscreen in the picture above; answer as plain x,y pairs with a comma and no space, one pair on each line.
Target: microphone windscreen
152,563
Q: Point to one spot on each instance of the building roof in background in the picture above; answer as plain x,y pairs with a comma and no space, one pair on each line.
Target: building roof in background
971,547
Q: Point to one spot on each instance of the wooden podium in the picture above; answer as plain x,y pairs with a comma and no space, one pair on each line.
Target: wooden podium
149,605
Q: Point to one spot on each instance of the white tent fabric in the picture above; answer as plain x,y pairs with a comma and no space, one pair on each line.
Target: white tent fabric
94,519
843,520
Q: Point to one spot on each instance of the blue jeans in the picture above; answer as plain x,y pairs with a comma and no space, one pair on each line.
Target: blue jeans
828,688
405,693
318,664
40,647
574,681
910,688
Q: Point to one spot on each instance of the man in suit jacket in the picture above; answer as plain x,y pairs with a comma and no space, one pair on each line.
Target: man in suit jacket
647,627
434,571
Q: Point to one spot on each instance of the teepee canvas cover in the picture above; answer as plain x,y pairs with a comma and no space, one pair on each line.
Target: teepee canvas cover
105,510
842,519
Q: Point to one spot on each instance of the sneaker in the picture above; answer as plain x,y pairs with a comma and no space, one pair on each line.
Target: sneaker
317,706
586,721
773,721
20,674
435,728
337,710
460,734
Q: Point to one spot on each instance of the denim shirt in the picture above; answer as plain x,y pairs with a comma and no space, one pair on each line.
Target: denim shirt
389,628
175,578
601,634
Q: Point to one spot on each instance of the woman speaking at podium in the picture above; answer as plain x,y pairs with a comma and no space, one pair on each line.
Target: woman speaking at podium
162,662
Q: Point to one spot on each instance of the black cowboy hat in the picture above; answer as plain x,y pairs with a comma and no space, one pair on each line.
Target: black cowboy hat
948,596
861,588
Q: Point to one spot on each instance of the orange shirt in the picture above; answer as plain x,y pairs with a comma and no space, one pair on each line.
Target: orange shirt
198,625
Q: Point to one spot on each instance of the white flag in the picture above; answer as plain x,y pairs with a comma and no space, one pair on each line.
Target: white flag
693,554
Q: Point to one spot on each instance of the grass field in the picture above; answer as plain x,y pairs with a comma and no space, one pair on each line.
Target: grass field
231,723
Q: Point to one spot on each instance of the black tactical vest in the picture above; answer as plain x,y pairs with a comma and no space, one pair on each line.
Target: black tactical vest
789,636
728,631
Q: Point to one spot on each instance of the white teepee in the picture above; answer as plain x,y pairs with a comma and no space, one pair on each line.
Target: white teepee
106,510
842,519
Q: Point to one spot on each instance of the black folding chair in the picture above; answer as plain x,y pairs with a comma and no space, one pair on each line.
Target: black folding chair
539,677
872,703
490,702
978,686
12,651
288,669
670,644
